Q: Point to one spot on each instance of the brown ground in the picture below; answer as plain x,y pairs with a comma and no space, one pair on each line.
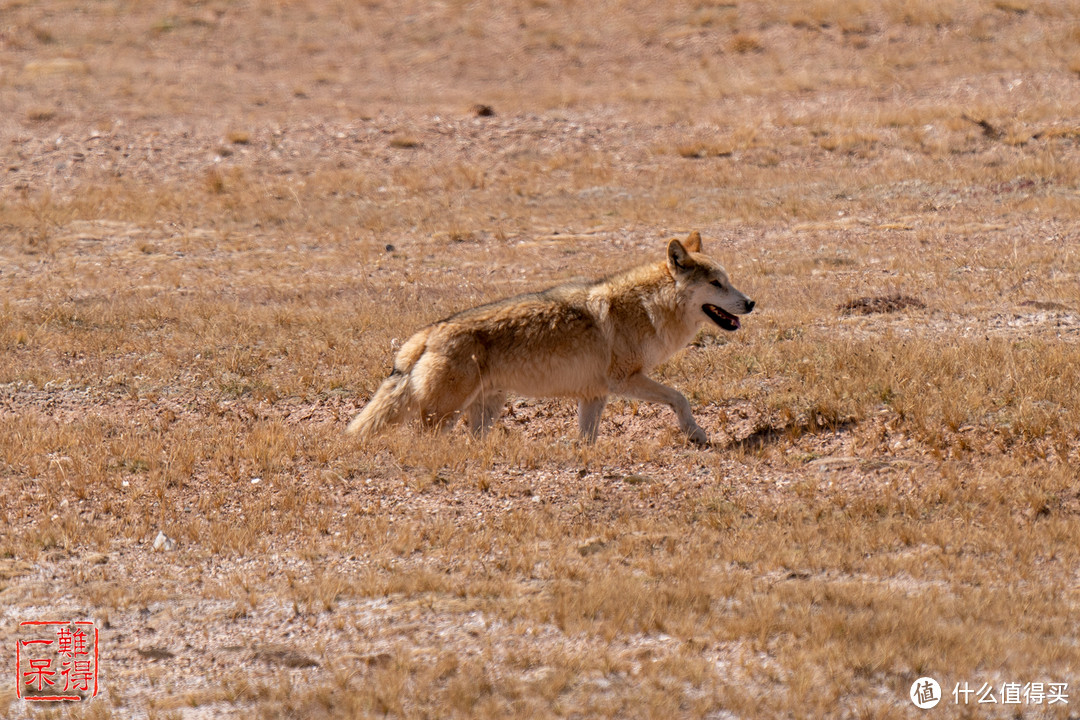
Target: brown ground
218,218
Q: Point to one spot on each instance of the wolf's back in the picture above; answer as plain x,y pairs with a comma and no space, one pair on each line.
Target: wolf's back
394,398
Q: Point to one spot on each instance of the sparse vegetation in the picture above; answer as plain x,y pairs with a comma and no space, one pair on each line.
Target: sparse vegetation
205,266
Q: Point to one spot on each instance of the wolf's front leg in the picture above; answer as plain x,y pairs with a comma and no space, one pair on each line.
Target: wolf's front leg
589,412
640,387
485,410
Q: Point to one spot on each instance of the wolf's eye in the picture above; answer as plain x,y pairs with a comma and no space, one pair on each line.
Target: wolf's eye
716,283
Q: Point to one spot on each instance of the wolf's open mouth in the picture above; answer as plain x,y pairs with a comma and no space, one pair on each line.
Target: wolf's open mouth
721,317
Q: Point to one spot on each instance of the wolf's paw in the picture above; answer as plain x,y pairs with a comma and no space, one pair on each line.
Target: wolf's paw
698,436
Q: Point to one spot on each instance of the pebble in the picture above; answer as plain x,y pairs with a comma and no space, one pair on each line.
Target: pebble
164,542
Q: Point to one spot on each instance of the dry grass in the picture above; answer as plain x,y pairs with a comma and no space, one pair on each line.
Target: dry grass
206,266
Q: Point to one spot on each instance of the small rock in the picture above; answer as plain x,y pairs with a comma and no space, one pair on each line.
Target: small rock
484,110
164,542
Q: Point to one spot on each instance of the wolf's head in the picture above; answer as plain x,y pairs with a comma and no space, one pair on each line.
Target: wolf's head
705,285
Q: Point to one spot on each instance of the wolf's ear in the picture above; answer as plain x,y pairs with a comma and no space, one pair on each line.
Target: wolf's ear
693,242
677,257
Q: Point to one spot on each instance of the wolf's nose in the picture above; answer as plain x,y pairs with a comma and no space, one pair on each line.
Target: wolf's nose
749,306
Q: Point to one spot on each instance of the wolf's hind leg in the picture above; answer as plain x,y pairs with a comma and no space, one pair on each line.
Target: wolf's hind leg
589,412
641,387
443,412
445,388
485,410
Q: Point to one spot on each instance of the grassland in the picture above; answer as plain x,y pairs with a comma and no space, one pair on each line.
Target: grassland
218,218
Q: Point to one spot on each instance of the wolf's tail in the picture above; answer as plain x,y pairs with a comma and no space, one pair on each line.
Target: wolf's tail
389,405
394,399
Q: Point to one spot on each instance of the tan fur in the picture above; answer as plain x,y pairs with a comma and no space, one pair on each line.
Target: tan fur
580,340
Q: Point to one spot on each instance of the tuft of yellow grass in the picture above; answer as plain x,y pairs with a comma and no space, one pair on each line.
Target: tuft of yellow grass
746,43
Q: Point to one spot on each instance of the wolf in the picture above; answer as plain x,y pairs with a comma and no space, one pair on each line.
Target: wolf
583,340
